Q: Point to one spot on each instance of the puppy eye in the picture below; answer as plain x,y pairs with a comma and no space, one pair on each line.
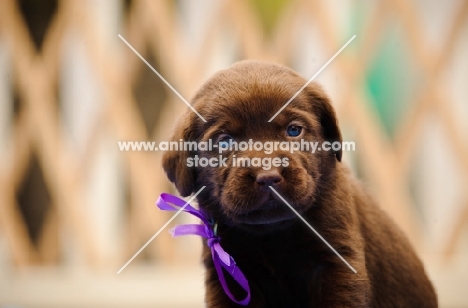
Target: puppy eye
293,130
223,140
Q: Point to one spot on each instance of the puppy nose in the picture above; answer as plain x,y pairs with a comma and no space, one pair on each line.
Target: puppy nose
268,178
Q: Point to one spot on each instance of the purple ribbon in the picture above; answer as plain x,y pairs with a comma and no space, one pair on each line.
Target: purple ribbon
221,258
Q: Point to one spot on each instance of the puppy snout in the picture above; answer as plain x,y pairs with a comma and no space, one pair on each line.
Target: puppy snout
268,178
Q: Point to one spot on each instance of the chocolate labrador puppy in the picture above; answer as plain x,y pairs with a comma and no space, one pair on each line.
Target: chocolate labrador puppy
285,263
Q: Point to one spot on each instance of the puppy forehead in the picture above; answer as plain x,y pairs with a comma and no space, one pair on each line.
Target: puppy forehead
250,97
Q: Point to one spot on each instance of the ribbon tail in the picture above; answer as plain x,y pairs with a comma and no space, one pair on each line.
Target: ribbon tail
189,229
168,202
233,270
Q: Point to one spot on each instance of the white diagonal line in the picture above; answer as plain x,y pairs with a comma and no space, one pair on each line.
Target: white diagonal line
159,231
162,78
313,77
311,228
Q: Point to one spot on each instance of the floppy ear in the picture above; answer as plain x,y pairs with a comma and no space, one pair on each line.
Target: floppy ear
175,162
324,111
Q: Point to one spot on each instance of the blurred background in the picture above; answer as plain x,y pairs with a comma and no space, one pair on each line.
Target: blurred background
74,209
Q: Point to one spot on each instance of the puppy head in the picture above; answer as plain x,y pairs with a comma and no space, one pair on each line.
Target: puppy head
237,104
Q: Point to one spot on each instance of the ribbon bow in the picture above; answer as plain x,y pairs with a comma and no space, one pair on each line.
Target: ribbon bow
221,258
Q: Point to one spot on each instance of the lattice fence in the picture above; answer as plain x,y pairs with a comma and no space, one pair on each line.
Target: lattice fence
40,150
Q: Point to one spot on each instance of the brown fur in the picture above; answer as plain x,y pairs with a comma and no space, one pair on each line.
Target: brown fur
286,264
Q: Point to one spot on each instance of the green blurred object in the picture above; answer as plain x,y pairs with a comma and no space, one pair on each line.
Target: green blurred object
269,11
391,78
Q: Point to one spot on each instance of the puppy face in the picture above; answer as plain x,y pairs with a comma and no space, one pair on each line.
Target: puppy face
237,104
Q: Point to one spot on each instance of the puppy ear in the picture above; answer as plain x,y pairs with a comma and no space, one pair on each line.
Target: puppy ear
322,108
175,162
